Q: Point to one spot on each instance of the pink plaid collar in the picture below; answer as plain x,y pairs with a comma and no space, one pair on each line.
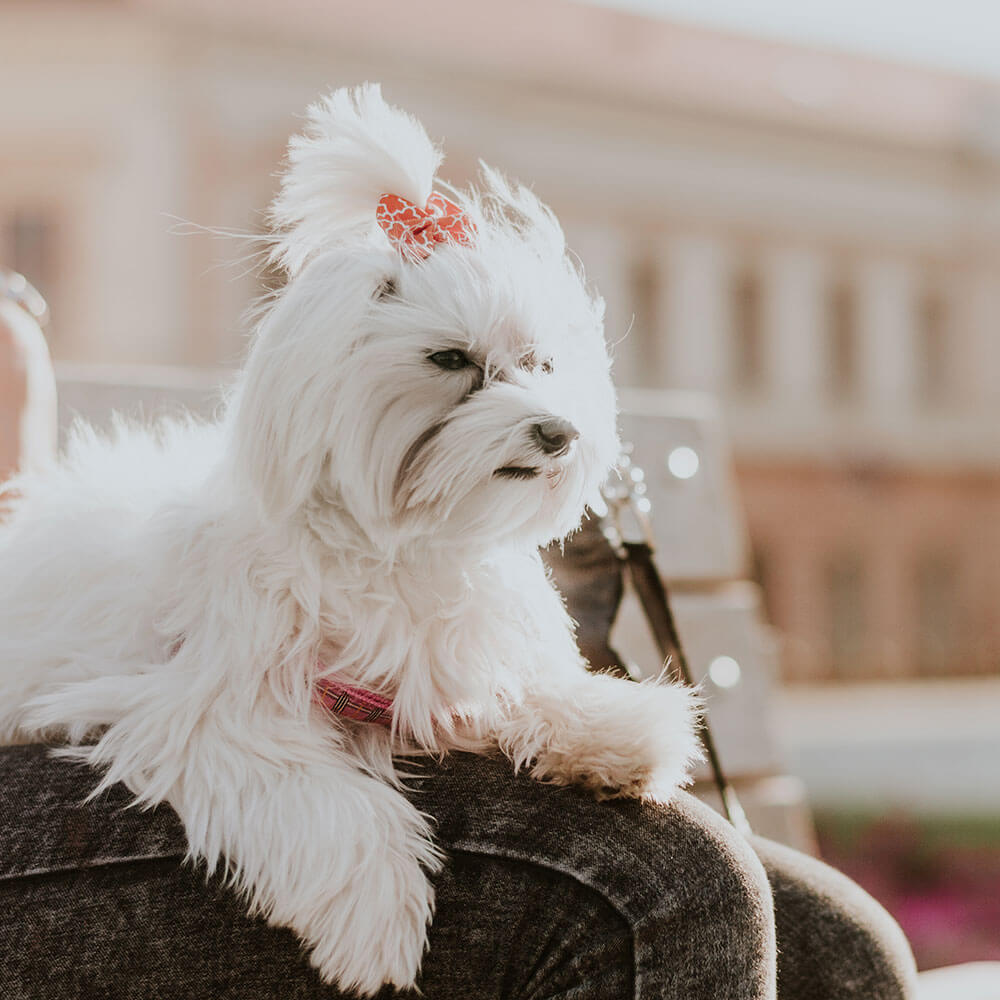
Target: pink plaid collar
354,703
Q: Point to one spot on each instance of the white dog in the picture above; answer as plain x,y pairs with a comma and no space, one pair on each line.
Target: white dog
426,402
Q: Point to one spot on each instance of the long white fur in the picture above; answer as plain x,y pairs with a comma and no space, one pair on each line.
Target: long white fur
171,594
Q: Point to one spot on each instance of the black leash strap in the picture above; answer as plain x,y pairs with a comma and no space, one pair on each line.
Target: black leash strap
630,534
652,593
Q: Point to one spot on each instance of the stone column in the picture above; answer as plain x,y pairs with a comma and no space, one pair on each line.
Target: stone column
696,312
795,325
606,257
887,336
978,363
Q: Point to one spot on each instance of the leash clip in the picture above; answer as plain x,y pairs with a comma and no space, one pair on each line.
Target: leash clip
624,492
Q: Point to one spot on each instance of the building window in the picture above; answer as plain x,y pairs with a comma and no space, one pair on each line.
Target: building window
845,581
843,341
936,605
934,380
747,356
762,575
28,245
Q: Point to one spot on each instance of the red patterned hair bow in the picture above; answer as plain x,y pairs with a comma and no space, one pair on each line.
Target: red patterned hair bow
416,231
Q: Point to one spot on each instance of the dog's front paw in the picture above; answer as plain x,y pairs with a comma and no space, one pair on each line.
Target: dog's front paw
619,739
375,932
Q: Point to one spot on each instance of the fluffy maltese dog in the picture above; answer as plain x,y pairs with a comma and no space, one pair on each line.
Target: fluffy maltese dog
253,620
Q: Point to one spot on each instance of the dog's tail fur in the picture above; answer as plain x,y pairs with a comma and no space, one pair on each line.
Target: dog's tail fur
355,148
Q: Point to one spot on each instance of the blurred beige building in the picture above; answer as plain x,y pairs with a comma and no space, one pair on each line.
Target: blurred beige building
813,236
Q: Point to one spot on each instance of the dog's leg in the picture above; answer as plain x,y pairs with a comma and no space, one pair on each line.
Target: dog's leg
315,843
341,858
611,735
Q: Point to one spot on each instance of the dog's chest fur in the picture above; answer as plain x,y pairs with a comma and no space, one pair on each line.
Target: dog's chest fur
474,633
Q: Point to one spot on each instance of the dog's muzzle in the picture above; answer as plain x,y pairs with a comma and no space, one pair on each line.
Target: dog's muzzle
554,437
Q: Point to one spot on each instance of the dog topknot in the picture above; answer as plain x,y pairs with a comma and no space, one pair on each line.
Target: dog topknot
355,148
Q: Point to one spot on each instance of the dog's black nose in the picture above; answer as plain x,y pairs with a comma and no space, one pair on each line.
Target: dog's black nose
554,435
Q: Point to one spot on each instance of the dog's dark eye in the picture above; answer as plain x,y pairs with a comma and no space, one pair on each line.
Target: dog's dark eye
547,367
451,361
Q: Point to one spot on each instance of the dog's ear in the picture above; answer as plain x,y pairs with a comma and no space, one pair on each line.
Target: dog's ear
283,409
355,148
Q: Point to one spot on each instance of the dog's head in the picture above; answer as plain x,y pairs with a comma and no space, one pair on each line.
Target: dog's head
440,376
